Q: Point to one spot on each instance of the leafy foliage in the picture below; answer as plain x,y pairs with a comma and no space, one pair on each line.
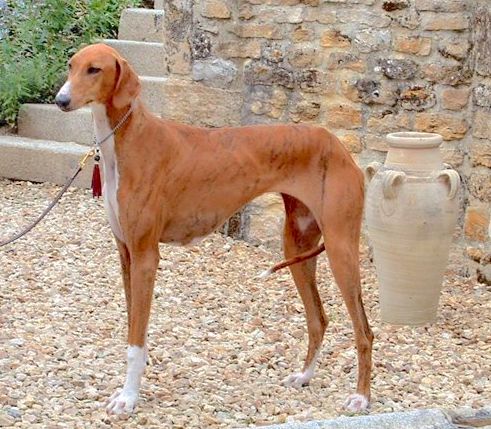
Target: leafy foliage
38,38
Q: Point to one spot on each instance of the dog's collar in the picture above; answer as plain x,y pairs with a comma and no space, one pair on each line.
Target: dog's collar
98,143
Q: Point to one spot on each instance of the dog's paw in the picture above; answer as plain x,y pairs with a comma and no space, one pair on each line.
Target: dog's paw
121,402
298,379
356,403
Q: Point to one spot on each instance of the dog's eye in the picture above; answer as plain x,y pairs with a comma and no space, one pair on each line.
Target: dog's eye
93,70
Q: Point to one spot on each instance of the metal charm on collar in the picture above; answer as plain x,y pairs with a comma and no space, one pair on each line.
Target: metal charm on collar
96,174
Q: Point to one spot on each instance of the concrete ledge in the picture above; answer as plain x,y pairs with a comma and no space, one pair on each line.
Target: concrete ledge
143,25
42,161
420,419
147,58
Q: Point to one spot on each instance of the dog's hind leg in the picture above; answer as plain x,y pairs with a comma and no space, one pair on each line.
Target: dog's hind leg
301,233
341,225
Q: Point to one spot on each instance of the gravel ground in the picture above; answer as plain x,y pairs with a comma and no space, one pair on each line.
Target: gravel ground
220,340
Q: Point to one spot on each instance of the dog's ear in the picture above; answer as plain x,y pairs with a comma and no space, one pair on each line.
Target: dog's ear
127,85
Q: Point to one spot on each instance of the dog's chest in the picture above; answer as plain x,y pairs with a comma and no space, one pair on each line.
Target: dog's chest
110,168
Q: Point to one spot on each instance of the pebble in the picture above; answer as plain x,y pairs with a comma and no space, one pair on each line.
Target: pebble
220,340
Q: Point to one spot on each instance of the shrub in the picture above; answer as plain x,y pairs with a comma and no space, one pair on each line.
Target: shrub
37,39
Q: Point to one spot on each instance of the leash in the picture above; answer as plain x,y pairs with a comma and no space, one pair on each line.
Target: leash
81,165
96,178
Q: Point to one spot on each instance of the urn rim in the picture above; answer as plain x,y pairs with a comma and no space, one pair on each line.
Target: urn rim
414,140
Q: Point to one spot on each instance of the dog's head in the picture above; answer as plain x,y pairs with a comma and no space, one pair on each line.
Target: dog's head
98,74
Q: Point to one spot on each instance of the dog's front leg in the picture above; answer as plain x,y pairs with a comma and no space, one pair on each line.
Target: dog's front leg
142,277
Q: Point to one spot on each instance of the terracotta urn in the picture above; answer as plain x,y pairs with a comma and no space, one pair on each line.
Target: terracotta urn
412,206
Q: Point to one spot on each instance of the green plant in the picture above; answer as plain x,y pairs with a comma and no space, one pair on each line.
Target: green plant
38,39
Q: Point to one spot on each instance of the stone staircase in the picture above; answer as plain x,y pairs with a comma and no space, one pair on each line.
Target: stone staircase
50,142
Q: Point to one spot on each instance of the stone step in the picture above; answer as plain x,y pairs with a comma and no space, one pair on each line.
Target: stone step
147,58
142,25
42,161
46,121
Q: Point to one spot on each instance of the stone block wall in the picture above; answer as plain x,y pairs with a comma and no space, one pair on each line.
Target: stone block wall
361,68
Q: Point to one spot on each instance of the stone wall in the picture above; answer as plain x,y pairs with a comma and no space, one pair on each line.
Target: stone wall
361,68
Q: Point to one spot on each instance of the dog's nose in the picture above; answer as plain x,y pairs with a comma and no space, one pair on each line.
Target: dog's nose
62,100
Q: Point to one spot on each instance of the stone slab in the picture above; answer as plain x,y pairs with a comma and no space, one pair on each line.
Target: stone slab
42,161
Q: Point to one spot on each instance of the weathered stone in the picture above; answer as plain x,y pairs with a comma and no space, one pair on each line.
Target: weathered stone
481,26
302,33
368,90
388,121
449,126
444,21
363,17
484,274
452,154
482,124
415,45
214,72
392,5
370,40
352,142
345,60
480,152
394,68
261,73
371,91
366,2
455,98
177,28
442,6
447,74
292,15
198,104
375,142
240,49
265,31
476,223
215,9
320,15
334,39
475,253
305,110
343,116
273,52
417,97
457,49
200,45
408,18
246,12
482,95
270,102
478,184
314,81
265,220
305,58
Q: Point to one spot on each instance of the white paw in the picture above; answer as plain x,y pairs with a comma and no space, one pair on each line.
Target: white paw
356,403
121,402
298,379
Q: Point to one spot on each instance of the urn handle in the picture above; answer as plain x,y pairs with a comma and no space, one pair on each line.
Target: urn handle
390,182
453,180
371,169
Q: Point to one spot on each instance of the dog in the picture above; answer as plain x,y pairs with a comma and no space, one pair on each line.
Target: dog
167,182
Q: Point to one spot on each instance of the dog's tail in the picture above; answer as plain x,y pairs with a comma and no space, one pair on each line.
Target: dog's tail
295,260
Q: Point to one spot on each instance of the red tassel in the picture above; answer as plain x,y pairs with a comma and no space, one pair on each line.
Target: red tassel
96,182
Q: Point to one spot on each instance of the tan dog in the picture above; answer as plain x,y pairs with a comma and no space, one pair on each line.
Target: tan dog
174,183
